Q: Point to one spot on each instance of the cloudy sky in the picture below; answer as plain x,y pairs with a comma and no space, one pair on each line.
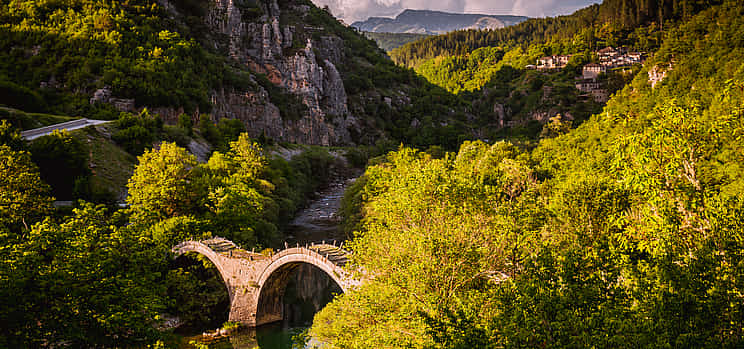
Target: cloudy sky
355,10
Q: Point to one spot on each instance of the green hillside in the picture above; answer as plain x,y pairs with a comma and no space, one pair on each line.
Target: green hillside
495,70
55,56
611,23
390,41
624,232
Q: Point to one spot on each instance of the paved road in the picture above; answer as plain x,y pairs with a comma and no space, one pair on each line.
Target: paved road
69,126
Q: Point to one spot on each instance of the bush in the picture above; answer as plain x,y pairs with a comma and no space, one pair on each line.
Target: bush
185,122
136,133
177,134
63,163
16,96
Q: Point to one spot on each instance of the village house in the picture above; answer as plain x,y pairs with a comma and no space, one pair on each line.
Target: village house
546,62
553,62
611,57
637,57
588,85
592,70
600,95
610,52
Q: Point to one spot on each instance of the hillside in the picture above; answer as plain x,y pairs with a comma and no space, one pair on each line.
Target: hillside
624,232
611,23
286,69
568,182
512,95
434,22
390,41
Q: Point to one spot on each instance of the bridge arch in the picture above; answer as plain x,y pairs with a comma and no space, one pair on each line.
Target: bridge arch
206,251
275,277
256,283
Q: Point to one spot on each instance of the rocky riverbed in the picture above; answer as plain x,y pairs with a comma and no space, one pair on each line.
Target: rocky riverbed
320,220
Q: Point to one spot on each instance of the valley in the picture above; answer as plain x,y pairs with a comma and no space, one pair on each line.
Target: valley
175,172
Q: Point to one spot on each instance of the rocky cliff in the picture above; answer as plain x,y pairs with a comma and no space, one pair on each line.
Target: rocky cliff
287,69
264,38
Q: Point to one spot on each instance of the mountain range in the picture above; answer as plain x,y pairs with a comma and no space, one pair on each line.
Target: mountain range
435,22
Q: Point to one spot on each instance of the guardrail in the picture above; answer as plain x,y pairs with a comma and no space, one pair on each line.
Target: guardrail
74,124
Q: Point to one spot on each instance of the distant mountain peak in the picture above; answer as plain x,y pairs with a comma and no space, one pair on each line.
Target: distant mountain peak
435,22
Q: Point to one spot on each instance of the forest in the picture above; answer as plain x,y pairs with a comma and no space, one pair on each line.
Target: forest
619,20
623,232
621,227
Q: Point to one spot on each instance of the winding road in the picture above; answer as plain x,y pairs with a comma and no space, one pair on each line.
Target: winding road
69,126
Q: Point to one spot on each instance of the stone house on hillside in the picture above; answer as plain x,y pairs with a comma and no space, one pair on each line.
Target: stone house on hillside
588,85
592,70
553,62
611,57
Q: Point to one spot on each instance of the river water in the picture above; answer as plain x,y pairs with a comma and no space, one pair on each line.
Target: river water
311,289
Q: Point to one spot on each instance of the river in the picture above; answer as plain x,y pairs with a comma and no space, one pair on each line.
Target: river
309,291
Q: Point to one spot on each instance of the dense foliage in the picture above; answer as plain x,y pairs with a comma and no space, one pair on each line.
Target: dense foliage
624,232
85,45
55,55
63,163
98,277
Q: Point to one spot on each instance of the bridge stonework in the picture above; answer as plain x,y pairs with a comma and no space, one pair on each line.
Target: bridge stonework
256,282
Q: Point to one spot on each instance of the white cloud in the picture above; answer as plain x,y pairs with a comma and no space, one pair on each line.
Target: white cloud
356,10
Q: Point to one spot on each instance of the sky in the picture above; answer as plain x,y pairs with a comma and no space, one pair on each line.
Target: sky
359,10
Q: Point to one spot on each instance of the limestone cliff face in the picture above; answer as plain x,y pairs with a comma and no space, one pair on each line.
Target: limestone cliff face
295,60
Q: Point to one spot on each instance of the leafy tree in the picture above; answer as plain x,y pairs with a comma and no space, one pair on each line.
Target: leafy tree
434,232
162,185
555,127
185,122
24,197
10,136
137,132
62,160
83,281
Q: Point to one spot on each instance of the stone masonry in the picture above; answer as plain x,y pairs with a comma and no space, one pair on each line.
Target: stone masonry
256,282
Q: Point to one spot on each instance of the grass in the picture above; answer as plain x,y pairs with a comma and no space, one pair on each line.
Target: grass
111,165
28,121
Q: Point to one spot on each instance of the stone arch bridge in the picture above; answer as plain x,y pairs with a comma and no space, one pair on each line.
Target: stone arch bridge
256,282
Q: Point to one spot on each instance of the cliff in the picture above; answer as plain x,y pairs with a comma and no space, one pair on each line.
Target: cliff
263,37
287,69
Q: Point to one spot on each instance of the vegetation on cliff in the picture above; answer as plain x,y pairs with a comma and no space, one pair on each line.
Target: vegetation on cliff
58,57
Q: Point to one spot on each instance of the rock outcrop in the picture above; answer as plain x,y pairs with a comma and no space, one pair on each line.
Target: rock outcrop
303,62
303,65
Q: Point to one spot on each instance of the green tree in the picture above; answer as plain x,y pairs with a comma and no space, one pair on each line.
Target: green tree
163,185
63,161
24,197
185,122
10,136
83,281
